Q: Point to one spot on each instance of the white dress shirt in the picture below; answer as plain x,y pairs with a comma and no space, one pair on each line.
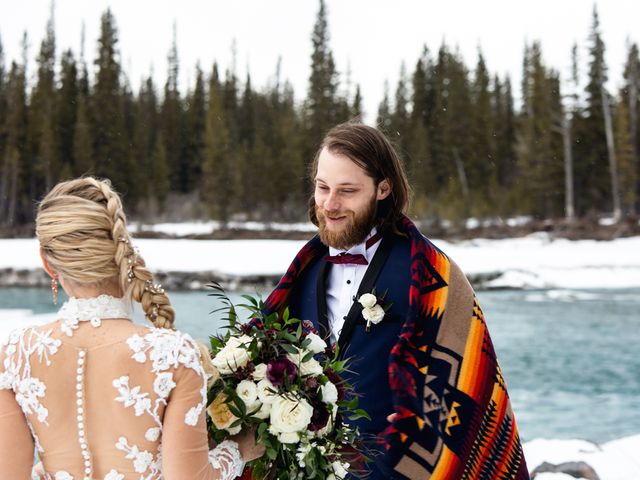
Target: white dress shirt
343,282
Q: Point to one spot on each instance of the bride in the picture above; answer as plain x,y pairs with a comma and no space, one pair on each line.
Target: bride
97,396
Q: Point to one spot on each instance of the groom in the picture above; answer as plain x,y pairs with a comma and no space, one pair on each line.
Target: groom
419,346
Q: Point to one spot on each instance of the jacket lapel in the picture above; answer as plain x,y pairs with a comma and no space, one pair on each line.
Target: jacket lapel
321,299
366,286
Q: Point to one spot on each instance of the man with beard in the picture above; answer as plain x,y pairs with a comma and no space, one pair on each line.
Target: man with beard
422,361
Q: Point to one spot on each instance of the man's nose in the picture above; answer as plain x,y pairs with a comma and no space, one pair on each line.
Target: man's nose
331,203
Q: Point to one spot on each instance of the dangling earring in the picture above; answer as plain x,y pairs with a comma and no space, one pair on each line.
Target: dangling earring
54,289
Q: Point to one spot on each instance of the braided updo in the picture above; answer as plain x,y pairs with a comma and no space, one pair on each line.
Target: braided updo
82,230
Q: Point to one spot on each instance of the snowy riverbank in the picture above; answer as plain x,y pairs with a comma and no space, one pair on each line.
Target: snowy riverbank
534,261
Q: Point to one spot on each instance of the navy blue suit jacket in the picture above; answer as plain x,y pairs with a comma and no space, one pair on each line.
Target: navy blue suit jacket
390,275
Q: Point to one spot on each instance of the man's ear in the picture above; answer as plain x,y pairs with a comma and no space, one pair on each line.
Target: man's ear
384,189
47,268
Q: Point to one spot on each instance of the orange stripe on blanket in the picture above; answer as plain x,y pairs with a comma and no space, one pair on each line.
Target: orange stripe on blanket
448,466
468,378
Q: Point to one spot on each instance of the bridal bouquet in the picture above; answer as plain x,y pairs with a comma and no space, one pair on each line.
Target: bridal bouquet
279,375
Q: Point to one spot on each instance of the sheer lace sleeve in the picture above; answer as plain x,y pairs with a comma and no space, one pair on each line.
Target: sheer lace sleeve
226,458
16,449
185,448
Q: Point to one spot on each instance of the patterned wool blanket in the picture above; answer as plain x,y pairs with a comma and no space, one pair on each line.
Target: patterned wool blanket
454,418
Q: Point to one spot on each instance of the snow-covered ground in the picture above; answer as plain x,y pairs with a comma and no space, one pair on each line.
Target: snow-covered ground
615,460
534,261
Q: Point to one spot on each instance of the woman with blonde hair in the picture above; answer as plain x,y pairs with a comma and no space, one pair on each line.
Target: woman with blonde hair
96,395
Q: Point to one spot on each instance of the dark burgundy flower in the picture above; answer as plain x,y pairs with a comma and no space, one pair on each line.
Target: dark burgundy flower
244,372
312,383
281,370
319,418
271,333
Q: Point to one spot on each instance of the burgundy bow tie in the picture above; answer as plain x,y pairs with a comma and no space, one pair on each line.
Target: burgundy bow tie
343,258
350,258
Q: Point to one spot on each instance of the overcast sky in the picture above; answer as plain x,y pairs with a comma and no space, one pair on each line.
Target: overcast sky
370,37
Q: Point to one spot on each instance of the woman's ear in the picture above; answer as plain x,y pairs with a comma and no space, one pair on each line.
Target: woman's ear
47,268
384,189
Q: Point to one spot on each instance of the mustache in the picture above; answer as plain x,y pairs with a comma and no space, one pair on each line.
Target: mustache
321,212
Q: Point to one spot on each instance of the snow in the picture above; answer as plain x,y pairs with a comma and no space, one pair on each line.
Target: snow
535,261
205,228
615,460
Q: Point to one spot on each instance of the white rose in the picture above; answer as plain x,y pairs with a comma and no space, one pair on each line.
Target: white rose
259,372
290,414
266,391
233,355
373,315
310,367
340,469
329,393
234,430
368,300
248,393
317,345
289,437
264,411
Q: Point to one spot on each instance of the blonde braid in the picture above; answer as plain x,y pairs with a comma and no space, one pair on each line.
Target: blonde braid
81,227
133,272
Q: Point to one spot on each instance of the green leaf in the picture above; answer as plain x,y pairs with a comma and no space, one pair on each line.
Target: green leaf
272,453
289,348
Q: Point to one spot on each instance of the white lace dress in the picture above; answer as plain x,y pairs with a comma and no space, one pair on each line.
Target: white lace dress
99,397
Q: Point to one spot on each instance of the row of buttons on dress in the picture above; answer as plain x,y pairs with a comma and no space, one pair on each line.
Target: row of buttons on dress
80,402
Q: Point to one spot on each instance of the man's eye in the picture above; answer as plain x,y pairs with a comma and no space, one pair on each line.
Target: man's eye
322,187
348,191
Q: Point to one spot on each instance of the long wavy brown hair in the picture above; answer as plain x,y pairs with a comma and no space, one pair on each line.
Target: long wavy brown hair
370,149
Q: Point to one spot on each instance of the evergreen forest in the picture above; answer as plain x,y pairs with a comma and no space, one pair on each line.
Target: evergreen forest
225,149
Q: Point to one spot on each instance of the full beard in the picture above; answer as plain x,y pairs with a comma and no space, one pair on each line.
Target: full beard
355,231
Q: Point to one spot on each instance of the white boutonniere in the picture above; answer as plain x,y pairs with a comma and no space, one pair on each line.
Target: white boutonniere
373,310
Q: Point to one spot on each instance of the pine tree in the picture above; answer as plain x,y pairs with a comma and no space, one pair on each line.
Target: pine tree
171,117
286,187
107,108
505,133
83,158
399,127
250,162
356,105
15,200
3,105
481,164
592,180
539,146
147,147
218,183
159,173
322,104
383,120
631,97
66,112
457,116
42,148
417,139
195,126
